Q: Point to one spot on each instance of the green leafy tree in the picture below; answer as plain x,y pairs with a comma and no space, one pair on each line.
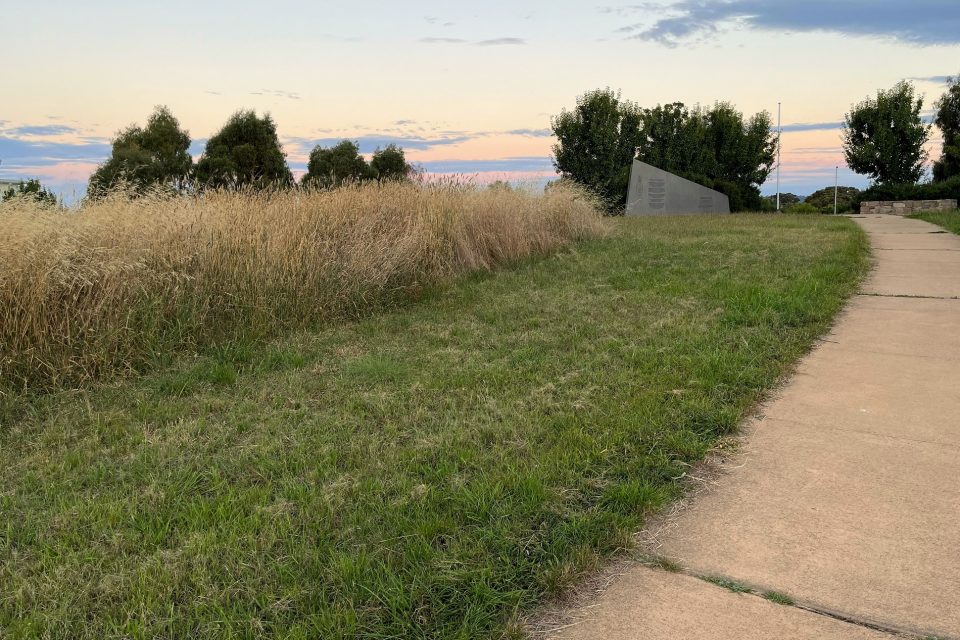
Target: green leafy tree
596,143
246,152
148,157
716,147
948,120
883,137
30,189
334,166
786,199
390,164
823,199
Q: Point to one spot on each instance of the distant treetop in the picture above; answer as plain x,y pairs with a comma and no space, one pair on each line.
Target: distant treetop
245,152
154,156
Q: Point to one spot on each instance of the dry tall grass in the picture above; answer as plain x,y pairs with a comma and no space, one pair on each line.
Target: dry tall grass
121,281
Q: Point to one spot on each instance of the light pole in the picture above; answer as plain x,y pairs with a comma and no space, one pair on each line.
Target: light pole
836,187
779,134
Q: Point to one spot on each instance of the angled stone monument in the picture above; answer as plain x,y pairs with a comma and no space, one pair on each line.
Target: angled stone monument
654,192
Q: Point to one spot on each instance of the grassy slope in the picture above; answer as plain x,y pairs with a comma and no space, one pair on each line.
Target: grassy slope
422,474
949,220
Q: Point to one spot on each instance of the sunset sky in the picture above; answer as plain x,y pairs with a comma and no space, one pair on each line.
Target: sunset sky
464,88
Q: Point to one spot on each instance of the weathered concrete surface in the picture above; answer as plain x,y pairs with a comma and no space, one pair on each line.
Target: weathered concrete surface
655,192
906,207
846,495
918,271
643,605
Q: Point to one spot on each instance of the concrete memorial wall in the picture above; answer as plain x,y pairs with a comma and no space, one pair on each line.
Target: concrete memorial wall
654,192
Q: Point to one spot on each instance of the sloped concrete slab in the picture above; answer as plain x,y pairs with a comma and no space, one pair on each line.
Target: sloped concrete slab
643,606
856,522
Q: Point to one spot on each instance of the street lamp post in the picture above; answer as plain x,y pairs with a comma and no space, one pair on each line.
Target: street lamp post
836,187
779,134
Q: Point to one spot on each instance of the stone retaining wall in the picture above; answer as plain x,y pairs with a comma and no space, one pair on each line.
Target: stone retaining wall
907,207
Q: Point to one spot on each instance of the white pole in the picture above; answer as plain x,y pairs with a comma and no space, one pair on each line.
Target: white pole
779,134
836,187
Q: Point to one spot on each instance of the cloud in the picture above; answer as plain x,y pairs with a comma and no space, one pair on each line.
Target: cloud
496,42
520,163
20,152
41,130
530,133
372,141
275,93
933,79
812,126
442,40
917,22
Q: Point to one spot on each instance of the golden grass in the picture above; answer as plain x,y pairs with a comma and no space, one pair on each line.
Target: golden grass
121,282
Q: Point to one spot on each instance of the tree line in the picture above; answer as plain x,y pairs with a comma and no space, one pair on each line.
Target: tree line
884,137
245,153
715,146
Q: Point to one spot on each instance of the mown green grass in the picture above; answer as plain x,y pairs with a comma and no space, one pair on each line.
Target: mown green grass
432,472
949,220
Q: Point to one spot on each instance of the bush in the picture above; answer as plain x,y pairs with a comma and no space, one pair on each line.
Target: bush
823,199
802,207
946,190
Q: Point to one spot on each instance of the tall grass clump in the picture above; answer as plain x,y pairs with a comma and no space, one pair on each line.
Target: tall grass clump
124,281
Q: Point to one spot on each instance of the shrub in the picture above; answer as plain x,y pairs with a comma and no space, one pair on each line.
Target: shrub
30,190
121,281
802,207
823,199
945,190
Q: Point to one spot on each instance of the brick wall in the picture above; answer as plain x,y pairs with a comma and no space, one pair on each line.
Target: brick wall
907,207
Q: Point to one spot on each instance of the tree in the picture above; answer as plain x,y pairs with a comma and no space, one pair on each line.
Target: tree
245,152
154,156
334,166
31,189
596,143
883,137
948,121
390,164
823,199
786,199
715,147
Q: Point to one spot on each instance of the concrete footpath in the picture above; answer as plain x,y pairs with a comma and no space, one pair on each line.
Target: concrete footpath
845,495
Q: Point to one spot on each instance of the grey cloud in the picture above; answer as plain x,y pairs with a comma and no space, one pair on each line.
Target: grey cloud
933,79
812,126
495,42
521,163
917,22
533,133
41,130
370,142
30,153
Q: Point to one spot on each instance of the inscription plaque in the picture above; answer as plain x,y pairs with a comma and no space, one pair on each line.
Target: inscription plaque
657,192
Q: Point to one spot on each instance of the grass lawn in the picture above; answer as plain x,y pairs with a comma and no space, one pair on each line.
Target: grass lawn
431,472
949,220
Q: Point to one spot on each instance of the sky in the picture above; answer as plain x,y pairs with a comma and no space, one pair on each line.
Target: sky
464,88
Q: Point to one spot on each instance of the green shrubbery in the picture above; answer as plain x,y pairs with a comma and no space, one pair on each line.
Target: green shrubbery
823,199
948,189
802,207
